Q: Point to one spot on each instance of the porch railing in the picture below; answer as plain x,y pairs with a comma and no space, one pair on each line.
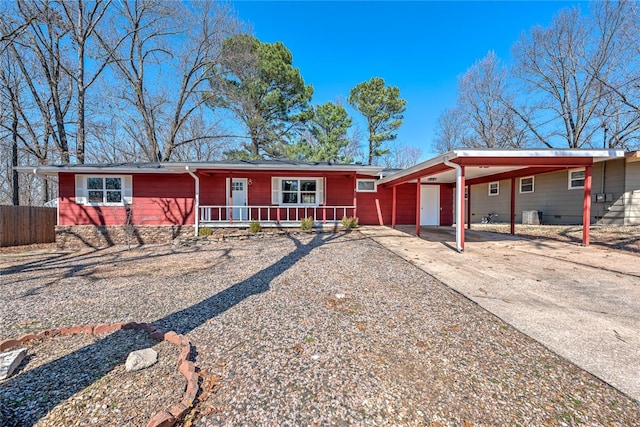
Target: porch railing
225,214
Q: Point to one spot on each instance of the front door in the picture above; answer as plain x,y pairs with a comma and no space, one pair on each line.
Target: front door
430,205
239,199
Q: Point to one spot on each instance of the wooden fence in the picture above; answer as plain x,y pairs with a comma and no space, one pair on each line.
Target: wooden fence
23,225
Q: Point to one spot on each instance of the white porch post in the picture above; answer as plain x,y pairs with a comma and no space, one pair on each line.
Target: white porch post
197,199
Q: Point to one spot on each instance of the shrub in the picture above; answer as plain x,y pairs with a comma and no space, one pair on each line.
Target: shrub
350,222
306,223
205,231
255,227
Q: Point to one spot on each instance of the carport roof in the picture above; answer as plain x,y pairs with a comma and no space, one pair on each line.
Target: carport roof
492,165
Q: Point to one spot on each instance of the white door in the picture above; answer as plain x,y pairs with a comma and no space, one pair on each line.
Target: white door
430,205
239,195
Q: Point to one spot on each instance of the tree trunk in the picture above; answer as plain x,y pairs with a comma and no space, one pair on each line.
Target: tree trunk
80,135
14,158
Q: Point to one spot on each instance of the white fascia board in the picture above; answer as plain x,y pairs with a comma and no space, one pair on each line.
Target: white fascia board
363,169
424,165
55,170
192,167
549,152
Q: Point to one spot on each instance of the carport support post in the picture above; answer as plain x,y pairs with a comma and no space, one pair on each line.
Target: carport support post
460,229
418,188
459,203
468,188
512,218
586,206
393,207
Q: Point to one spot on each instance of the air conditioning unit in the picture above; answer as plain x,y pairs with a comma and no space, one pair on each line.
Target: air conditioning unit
532,217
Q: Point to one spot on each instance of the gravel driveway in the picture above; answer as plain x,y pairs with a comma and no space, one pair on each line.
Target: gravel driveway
311,329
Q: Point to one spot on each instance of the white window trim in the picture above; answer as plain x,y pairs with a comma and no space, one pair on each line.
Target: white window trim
276,190
497,193
82,190
574,187
533,184
375,186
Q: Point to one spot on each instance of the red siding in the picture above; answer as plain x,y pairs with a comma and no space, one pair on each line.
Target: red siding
163,199
405,201
158,199
168,199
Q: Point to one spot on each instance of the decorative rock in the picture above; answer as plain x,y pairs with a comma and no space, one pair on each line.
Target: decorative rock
141,359
10,360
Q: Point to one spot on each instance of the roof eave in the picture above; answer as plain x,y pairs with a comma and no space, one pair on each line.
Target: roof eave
192,167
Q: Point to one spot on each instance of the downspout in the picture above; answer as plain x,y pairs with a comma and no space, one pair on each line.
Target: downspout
459,194
197,199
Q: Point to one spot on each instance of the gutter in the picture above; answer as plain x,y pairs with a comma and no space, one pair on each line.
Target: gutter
197,198
459,190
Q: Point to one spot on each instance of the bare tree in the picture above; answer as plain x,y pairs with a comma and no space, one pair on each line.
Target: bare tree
401,156
82,19
451,131
562,68
161,40
23,126
483,102
39,52
10,29
618,26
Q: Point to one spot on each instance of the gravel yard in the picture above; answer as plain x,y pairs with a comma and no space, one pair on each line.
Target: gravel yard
310,329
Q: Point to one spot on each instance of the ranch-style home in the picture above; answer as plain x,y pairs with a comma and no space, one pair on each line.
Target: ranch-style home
103,204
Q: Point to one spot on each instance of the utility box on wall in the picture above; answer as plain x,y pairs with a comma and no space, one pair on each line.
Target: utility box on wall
604,197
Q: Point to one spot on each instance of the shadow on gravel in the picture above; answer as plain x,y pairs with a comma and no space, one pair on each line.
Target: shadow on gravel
69,374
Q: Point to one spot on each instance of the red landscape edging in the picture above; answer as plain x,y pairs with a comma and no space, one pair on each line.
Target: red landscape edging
168,417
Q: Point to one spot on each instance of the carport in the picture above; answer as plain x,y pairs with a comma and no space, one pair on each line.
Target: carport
463,168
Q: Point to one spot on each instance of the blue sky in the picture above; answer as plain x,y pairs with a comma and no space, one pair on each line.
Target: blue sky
421,47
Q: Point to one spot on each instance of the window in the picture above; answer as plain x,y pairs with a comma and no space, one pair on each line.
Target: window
103,190
494,188
526,185
366,185
297,191
576,179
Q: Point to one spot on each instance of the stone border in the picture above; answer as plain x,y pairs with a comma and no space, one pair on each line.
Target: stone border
227,234
169,416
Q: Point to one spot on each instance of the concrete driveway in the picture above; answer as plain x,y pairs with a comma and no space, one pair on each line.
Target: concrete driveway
581,302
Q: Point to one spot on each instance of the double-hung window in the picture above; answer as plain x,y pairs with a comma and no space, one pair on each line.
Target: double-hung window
527,184
297,191
494,188
576,179
103,189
